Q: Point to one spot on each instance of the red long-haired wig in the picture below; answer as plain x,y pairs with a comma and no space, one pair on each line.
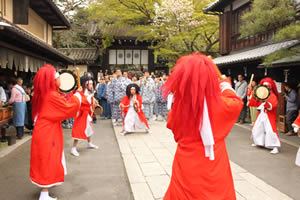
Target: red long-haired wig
43,83
194,77
271,83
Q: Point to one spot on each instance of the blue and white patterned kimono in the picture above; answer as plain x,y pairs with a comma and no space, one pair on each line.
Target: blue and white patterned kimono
119,90
148,96
110,93
162,104
155,109
127,82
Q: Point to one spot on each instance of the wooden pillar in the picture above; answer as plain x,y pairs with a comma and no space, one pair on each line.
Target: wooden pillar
151,60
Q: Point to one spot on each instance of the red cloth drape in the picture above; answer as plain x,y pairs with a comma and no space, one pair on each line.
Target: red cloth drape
194,176
47,139
81,120
124,105
297,121
271,106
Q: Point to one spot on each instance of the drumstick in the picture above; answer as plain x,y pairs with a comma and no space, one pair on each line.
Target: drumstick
78,77
251,79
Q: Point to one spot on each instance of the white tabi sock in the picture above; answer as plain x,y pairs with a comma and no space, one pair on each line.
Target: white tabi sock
148,131
74,151
45,196
92,146
275,150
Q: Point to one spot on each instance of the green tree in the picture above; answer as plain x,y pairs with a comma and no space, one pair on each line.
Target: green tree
182,27
77,37
280,15
176,27
133,12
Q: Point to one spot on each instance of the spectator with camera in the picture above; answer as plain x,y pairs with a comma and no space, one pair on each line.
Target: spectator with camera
290,96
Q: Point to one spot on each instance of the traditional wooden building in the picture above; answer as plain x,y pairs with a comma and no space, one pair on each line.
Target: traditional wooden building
26,31
126,51
84,58
245,55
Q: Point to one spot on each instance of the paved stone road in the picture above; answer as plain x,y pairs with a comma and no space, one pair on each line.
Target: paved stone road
148,160
95,175
100,174
278,170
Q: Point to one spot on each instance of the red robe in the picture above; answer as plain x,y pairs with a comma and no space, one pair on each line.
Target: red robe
297,122
82,127
270,109
125,103
46,168
194,176
296,126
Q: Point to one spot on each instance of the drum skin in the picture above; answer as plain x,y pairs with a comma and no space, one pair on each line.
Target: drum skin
261,93
98,110
67,82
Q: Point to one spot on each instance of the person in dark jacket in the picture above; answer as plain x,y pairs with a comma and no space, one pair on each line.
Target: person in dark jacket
291,107
29,124
102,96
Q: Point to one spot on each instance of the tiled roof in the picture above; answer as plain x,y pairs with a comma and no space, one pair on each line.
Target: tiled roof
12,29
288,61
216,6
49,11
254,54
81,55
291,59
212,5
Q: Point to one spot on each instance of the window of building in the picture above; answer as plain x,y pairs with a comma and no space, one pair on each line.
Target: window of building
128,56
236,19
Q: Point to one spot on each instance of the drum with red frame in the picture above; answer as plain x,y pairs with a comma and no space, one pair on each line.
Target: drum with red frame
261,93
68,81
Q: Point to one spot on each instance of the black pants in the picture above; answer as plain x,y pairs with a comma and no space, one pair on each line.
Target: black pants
243,113
291,116
20,131
106,108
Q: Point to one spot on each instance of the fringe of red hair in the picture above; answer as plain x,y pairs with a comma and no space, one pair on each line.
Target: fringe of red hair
43,83
194,78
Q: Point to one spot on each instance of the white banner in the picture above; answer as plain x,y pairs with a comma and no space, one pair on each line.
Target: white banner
144,57
120,57
128,57
136,57
112,57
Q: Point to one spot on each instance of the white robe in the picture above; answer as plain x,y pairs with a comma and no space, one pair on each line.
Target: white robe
262,132
298,158
132,121
296,128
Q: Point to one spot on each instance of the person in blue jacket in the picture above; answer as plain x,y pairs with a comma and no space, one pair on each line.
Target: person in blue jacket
102,96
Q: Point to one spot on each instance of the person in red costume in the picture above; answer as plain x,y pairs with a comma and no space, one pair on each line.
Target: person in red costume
204,110
296,126
131,107
49,109
83,123
264,131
